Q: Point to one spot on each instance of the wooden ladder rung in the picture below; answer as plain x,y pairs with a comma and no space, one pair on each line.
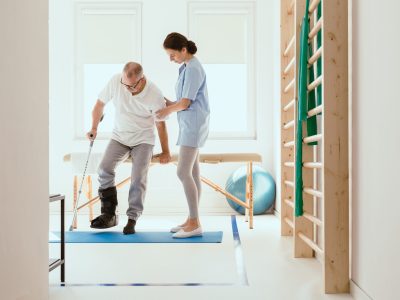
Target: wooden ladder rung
313,85
313,219
313,192
313,138
289,222
315,111
289,105
288,125
289,203
313,165
310,243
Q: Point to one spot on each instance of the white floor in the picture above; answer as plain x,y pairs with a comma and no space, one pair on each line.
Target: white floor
269,266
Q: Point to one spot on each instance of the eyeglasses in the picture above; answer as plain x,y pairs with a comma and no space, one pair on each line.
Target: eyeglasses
131,86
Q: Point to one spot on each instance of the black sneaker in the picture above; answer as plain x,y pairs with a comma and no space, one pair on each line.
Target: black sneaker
130,227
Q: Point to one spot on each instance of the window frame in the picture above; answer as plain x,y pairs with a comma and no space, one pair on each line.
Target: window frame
246,9
82,8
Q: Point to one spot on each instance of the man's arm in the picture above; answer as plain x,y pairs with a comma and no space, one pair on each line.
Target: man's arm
97,113
165,156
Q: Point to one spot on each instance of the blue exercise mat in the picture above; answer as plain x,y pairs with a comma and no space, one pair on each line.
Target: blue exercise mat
139,237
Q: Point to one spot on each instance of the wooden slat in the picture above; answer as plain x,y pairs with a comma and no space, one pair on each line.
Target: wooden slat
313,219
289,86
313,192
289,222
313,138
289,203
315,83
313,6
317,27
315,56
310,243
289,164
288,125
335,149
289,105
288,144
289,183
289,66
289,46
313,165
315,111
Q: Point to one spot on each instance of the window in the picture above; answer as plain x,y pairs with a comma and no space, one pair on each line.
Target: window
107,35
224,35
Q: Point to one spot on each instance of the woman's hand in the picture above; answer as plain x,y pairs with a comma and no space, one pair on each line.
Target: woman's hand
168,102
163,113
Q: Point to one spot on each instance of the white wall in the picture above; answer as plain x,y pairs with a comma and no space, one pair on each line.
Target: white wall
24,149
163,73
375,148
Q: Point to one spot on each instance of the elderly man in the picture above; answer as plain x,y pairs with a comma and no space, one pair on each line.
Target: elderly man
136,100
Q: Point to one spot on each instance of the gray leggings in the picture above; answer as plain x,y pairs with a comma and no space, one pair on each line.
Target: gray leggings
189,174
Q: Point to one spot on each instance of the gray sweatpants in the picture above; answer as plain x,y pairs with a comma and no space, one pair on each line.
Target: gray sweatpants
189,174
141,158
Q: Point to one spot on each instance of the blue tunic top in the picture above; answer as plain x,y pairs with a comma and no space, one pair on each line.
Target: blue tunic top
193,121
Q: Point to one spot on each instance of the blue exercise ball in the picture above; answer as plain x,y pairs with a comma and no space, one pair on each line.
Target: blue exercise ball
263,189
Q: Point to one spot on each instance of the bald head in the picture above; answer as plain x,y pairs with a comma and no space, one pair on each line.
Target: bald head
133,70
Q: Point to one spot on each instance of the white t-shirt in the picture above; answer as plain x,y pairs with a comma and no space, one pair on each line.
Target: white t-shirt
134,115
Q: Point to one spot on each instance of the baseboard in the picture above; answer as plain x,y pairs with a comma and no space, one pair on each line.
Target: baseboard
357,292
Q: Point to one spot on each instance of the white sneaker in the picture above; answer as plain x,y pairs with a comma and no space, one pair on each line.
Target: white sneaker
181,234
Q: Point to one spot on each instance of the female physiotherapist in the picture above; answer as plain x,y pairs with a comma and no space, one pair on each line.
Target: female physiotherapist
193,117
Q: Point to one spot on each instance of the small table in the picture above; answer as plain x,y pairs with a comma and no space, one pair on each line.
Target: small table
55,262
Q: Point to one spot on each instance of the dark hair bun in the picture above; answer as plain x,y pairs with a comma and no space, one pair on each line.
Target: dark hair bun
191,47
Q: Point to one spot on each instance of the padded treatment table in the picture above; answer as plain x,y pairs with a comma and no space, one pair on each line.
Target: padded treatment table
208,158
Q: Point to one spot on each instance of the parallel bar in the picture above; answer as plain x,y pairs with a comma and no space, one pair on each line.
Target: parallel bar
315,83
289,46
310,243
288,144
289,183
289,86
289,222
313,6
290,203
289,105
313,219
289,66
289,164
313,192
313,165
315,111
313,138
315,56
288,125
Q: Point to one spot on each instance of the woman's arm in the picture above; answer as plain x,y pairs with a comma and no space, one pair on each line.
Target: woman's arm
182,104
169,102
